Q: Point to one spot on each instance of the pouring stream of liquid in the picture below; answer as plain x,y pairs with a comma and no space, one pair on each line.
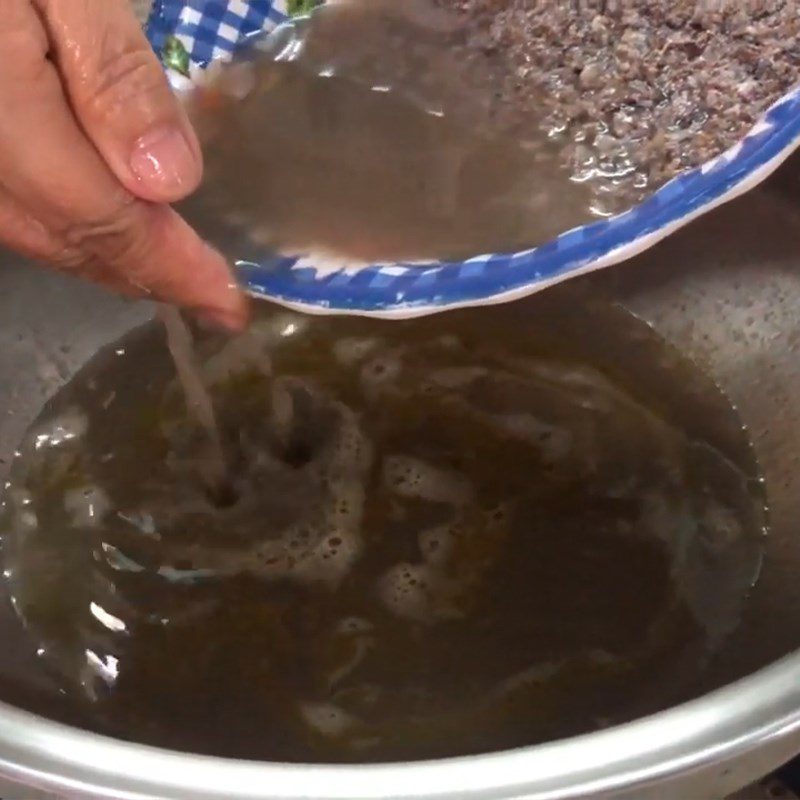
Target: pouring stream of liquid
213,469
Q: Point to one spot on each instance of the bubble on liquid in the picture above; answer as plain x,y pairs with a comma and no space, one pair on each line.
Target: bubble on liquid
720,526
361,698
427,593
107,619
351,350
186,576
329,562
543,673
141,521
269,559
18,497
498,515
279,328
346,504
99,672
354,625
259,233
554,442
455,558
69,426
55,467
537,675
354,648
86,506
119,561
27,521
323,546
328,719
379,375
436,544
405,591
449,341
19,508
408,476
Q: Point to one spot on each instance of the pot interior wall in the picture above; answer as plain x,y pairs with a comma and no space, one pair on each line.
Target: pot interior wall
726,292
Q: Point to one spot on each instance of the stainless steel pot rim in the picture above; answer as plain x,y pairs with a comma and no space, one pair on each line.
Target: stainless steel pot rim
713,729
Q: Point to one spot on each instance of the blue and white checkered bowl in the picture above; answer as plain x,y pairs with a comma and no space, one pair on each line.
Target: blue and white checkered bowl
212,29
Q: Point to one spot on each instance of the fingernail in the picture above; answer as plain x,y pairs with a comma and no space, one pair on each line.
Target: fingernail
164,161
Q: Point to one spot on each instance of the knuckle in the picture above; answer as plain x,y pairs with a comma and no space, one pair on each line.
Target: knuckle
124,78
90,267
118,237
68,259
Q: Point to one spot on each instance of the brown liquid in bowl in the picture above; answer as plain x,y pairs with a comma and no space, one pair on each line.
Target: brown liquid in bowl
445,536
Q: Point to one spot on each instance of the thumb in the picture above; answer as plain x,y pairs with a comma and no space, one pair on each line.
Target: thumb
122,98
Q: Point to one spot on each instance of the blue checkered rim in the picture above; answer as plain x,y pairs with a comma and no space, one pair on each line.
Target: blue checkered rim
210,29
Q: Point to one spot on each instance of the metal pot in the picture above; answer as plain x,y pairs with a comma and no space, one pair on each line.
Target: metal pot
726,292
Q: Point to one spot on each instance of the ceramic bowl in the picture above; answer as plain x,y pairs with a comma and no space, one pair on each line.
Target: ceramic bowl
190,34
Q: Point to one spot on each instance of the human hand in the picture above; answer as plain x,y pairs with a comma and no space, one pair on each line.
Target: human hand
93,148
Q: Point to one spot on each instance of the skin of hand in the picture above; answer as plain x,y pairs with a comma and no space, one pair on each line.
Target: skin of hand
93,148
